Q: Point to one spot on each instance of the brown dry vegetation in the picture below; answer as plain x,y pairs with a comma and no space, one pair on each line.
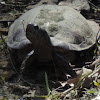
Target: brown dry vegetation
86,86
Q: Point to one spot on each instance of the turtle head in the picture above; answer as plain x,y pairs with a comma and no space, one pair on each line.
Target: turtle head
36,35
40,40
32,32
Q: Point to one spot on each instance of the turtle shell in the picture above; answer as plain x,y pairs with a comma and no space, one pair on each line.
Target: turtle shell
66,27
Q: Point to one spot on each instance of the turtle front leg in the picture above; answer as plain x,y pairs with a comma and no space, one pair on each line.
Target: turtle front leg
62,67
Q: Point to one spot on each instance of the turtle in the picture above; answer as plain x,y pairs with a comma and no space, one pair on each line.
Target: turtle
58,31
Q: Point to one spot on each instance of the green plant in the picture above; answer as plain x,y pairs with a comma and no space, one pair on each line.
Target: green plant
51,95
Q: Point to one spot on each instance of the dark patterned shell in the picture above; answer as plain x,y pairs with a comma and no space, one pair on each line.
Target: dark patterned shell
66,27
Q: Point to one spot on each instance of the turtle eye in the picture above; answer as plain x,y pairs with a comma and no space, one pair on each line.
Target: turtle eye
36,27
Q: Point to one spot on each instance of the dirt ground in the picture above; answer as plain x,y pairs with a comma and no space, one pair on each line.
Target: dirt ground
12,87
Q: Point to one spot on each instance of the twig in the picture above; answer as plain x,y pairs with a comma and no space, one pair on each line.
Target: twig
3,31
18,86
3,40
94,72
96,62
19,5
97,8
63,94
4,43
